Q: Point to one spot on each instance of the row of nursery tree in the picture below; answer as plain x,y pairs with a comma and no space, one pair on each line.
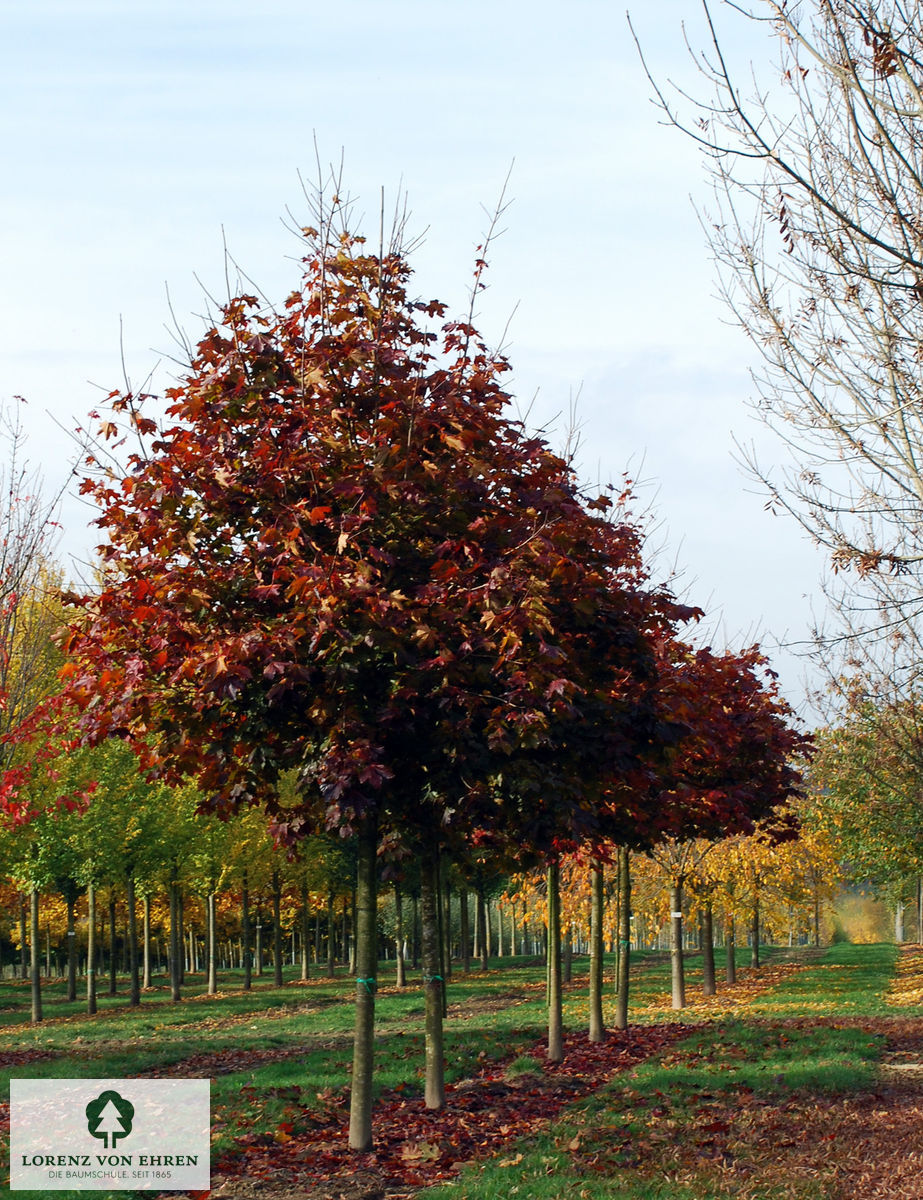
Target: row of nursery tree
338,586
340,590
141,883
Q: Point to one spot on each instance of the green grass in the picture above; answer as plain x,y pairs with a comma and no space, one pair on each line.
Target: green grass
493,1016
608,1145
848,981
621,1131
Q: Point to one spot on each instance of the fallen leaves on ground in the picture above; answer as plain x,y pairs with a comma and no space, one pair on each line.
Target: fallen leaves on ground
752,982
865,1146
907,986
415,1147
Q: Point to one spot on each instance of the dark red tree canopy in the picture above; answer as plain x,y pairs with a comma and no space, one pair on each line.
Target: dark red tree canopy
340,555
739,757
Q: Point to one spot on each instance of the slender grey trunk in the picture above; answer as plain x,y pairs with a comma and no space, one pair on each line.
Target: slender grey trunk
708,951
434,1086
624,946
305,933
755,932
360,1105
730,943
245,932
677,972
399,912
71,948
176,944
146,927
464,918
134,979
446,914
277,929
212,951
483,933
180,932
597,1030
440,932
91,949
331,934
36,956
113,965
23,938
555,1014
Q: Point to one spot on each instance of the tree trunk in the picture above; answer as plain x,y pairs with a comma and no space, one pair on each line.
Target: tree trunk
624,947
331,936
617,900
730,969
180,933
898,922
597,1030
277,929
360,1105
755,932
483,934
146,927
71,948
440,930
464,919
211,935
36,957
816,913
176,945
434,1089
555,1015
447,929
677,972
91,949
245,932
134,980
23,939
113,965
305,933
399,913
708,951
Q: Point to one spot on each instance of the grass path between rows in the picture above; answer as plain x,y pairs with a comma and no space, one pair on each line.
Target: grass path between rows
763,1092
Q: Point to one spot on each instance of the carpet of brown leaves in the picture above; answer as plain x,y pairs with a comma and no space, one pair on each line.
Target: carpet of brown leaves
867,1146
308,1157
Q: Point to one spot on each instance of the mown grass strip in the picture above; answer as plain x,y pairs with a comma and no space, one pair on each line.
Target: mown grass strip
735,1063
847,981
694,1124
670,1130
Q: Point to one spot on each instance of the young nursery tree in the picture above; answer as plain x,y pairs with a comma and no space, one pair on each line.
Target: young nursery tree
737,764
341,556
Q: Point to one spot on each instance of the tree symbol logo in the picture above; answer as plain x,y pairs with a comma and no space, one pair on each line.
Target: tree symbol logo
109,1117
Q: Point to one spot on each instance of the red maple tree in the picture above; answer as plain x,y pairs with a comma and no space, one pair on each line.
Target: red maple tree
340,555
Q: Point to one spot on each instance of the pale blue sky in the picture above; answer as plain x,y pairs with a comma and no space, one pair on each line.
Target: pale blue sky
134,134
